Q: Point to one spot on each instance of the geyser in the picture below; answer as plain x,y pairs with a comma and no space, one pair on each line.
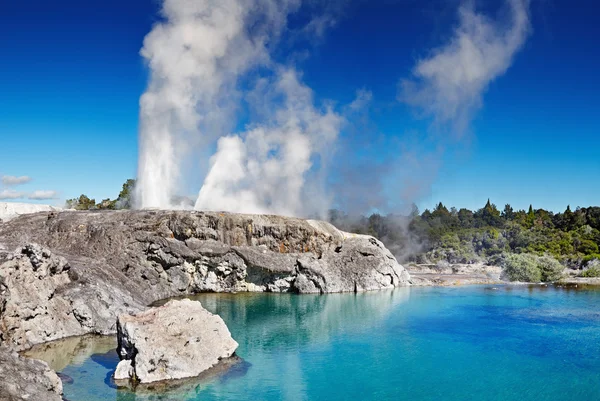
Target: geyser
216,89
199,57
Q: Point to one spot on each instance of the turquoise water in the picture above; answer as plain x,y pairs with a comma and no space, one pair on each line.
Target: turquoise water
468,343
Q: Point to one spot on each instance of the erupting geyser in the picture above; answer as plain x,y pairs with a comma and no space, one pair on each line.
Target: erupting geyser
198,57
211,62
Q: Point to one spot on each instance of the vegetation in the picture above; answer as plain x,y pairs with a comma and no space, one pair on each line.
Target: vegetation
535,244
123,201
522,267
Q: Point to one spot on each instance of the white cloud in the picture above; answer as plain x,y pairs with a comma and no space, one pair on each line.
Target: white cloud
449,84
11,194
10,180
42,195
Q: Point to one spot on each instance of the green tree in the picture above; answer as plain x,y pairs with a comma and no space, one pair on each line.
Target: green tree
124,200
81,203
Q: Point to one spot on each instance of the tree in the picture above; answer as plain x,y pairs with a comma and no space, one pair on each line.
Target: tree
489,215
106,204
124,200
465,218
508,213
81,203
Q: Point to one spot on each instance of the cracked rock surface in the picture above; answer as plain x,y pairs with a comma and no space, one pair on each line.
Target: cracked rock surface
72,273
27,379
177,340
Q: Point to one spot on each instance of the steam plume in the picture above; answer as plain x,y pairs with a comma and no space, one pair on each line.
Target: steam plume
196,57
448,86
265,169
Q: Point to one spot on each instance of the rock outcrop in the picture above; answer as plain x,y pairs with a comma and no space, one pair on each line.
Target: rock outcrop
177,340
27,379
446,274
90,267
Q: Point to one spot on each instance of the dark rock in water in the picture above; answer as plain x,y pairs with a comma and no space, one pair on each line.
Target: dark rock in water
27,379
66,379
239,369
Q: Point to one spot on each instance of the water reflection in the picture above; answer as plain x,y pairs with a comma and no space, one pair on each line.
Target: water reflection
272,330
273,321
72,351
495,343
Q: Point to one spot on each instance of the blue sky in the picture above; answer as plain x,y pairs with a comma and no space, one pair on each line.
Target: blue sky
71,77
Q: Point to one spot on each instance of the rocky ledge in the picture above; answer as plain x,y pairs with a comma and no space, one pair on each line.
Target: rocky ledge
27,379
446,274
72,273
178,340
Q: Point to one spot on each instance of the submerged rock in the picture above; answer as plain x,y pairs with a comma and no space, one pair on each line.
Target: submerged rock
27,379
178,340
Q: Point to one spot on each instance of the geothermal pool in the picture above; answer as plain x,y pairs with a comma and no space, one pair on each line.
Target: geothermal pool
467,343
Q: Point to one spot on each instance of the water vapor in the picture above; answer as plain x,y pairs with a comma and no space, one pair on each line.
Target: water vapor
196,57
209,62
449,84
266,169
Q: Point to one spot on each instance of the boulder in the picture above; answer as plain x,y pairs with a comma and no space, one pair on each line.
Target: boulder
178,340
27,379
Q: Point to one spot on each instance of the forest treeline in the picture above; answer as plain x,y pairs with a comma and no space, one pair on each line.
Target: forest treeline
486,235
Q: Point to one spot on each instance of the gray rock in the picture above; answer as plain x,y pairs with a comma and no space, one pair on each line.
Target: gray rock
178,340
91,267
27,379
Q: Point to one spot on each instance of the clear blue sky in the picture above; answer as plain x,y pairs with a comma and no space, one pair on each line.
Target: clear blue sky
71,77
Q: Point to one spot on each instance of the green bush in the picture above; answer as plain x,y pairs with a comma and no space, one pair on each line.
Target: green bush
522,267
593,271
550,268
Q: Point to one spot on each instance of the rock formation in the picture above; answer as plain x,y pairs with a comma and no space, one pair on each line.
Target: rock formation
178,340
27,379
72,273
91,267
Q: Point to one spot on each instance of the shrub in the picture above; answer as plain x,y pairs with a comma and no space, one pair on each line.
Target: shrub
593,271
522,267
550,268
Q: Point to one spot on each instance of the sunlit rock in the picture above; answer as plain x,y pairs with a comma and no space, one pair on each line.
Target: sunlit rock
178,340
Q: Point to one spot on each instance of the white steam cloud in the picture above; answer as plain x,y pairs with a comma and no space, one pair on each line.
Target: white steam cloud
449,84
265,169
216,88
10,180
197,57
208,60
